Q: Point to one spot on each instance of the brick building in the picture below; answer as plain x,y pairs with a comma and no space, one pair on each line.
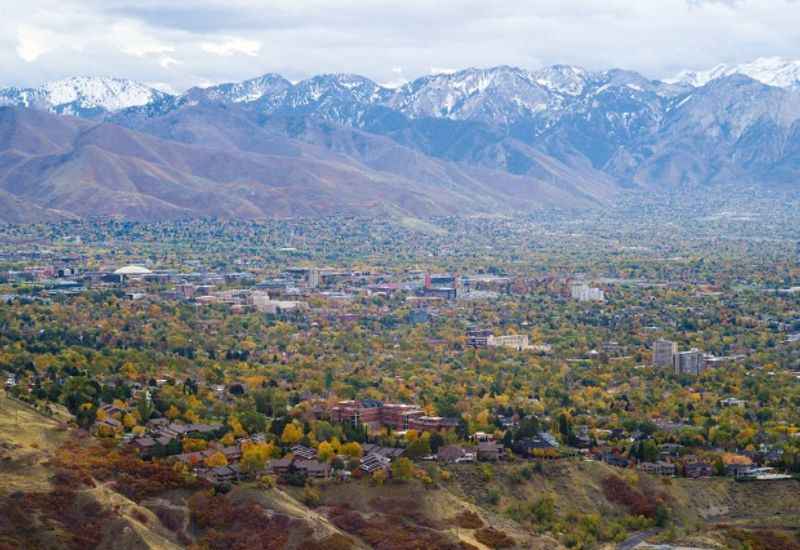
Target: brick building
398,416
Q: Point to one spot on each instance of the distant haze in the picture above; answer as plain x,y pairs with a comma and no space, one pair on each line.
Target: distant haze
175,45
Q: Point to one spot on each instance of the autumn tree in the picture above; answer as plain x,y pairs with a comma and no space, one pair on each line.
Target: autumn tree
292,433
402,469
255,456
325,451
216,460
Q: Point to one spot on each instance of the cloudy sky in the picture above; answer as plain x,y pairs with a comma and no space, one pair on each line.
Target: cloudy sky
181,43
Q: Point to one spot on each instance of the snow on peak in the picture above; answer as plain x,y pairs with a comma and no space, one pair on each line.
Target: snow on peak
111,94
772,71
563,79
249,90
74,94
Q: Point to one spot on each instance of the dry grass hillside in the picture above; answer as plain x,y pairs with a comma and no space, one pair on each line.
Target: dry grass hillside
28,440
59,489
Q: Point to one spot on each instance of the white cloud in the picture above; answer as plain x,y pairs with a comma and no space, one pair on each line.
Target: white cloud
232,46
442,70
133,39
166,62
191,41
32,43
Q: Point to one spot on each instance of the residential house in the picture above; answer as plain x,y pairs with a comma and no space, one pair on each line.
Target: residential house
312,468
541,444
450,454
280,466
490,451
735,464
222,474
660,468
387,452
373,462
613,459
732,402
669,450
696,470
305,453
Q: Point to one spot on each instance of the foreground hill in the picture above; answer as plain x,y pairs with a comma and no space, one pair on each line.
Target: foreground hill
59,488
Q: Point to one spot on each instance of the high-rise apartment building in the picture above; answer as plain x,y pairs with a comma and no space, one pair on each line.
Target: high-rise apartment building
689,362
663,352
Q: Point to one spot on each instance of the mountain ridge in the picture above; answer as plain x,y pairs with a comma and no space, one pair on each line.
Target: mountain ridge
477,140
85,95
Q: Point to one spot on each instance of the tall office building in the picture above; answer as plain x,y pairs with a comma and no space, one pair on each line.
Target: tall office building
313,278
663,352
584,293
689,362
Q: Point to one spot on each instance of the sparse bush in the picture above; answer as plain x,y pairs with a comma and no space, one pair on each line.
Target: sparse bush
311,496
493,538
468,520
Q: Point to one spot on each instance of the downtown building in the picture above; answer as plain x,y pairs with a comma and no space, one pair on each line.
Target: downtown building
689,362
584,293
663,353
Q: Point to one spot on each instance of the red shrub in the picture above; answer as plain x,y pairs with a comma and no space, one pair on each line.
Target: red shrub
618,491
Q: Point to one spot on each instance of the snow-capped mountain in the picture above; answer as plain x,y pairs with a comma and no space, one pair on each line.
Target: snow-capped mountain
772,71
270,85
581,132
83,96
503,94
497,95
563,79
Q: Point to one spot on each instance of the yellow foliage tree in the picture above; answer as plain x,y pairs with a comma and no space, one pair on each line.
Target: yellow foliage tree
292,433
379,476
402,469
483,418
236,427
129,421
352,449
191,445
130,371
216,460
255,456
173,412
325,451
267,482
104,430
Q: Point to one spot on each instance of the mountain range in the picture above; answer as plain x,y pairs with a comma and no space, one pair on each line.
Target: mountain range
476,141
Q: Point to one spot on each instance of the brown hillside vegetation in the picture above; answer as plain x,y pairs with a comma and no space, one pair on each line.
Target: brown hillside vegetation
84,495
27,441
59,167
